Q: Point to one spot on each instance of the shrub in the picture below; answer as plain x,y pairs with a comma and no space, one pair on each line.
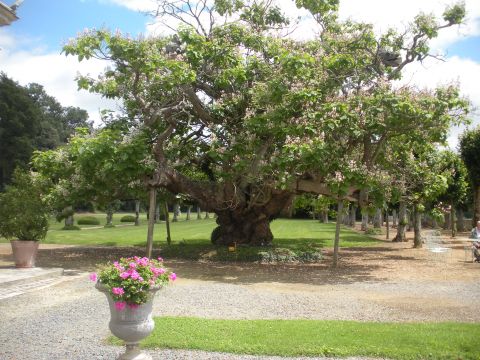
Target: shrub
285,255
373,231
127,218
23,209
88,220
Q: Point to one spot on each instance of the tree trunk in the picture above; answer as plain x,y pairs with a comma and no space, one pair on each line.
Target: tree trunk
176,211
207,215
410,220
137,212
337,233
460,220
446,221
151,220
394,218
453,220
157,212
109,218
364,222
387,225
324,216
69,220
353,214
377,224
242,225
189,210
402,223
199,215
167,223
417,228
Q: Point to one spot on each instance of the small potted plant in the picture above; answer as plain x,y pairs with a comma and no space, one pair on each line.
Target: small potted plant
24,217
130,285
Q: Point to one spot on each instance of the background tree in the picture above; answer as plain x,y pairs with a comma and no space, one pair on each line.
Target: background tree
455,194
32,120
470,153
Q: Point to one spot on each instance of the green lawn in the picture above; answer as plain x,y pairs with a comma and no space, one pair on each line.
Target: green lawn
318,338
295,240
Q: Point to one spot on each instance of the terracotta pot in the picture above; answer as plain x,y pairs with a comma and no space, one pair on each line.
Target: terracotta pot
131,324
24,252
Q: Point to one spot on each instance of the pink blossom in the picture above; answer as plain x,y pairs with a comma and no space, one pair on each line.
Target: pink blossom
143,261
134,275
133,306
151,282
173,276
93,276
160,259
125,275
120,305
118,291
158,271
132,265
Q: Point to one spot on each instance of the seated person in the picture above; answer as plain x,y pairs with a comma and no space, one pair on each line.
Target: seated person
475,234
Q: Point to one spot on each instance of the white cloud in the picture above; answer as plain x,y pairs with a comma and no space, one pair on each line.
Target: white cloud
135,5
398,14
56,73
433,73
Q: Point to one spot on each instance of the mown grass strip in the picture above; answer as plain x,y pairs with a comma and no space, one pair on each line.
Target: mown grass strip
319,338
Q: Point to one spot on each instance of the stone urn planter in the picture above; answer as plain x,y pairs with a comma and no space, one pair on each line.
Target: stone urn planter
131,324
24,252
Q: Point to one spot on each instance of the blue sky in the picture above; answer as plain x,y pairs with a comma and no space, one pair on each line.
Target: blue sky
30,48
52,22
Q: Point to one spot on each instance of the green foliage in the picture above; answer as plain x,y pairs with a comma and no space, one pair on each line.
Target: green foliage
318,6
65,213
23,209
373,231
455,14
88,220
456,173
318,338
100,167
470,153
128,218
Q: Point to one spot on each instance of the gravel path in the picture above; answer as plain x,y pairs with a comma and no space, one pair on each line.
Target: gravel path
69,322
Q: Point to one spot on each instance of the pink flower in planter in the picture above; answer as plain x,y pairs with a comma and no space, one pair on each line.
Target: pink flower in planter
93,276
160,259
120,305
118,291
132,265
173,276
124,275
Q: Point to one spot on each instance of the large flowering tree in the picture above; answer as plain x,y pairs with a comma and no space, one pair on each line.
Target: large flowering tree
263,117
